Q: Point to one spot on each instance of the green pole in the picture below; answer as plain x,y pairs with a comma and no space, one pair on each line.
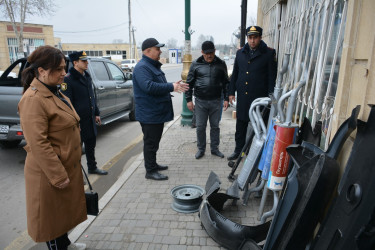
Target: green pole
186,114
187,20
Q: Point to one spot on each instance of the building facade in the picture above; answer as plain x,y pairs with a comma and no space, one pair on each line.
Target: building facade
34,35
113,51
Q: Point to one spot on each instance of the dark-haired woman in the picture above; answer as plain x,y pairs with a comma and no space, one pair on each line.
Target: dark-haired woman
55,199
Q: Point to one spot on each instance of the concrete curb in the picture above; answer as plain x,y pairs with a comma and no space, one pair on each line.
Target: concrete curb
107,197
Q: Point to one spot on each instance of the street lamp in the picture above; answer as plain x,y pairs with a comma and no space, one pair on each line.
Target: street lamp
186,114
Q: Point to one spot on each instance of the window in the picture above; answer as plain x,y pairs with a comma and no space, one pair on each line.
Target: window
116,72
100,70
29,45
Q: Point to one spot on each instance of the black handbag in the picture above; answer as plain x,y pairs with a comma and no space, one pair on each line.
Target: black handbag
92,199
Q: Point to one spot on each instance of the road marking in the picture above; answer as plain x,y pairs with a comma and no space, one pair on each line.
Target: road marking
111,162
20,242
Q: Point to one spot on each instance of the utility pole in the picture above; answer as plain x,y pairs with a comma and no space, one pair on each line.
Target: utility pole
243,22
186,114
135,45
130,29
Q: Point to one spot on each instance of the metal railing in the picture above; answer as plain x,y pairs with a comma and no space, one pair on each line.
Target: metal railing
312,32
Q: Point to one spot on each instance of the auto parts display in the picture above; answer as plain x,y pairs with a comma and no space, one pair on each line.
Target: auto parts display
350,223
224,231
310,186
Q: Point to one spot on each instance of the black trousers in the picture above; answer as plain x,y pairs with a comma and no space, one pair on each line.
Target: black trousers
90,145
240,135
151,138
60,243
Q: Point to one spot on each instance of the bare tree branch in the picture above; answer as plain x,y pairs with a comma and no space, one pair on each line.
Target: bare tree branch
18,10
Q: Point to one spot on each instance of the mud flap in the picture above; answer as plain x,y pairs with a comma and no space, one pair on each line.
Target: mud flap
306,196
350,223
228,233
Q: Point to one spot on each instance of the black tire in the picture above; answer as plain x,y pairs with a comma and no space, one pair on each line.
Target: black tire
132,115
10,144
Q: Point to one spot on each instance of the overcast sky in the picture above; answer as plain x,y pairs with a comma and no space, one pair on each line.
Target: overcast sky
164,19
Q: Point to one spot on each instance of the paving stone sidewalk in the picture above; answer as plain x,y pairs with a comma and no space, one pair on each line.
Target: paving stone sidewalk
139,216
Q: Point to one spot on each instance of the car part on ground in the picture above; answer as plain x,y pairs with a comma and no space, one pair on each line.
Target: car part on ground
350,222
309,189
187,198
224,231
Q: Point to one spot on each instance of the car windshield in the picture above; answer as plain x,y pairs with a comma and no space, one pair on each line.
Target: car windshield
126,61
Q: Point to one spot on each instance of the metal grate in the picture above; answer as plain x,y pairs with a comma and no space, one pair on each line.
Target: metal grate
312,32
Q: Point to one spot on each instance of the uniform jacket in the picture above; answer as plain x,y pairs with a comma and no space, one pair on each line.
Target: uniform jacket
81,94
153,102
51,130
253,76
209,80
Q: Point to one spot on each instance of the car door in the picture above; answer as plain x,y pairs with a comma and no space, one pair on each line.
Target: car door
105,88
123,87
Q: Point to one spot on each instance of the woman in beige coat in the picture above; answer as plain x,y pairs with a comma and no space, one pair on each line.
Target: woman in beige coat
55,198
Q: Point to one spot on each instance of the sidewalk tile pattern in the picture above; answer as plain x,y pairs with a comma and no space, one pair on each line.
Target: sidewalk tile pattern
140,216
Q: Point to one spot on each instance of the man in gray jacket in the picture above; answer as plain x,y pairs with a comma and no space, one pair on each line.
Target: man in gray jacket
208,79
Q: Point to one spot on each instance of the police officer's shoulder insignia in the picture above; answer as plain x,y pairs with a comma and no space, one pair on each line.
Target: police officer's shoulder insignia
64,86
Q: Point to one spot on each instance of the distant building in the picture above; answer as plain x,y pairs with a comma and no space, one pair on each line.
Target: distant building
175,56
34,35
114,51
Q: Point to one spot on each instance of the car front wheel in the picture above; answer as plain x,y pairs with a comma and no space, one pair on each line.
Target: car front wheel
10,144
132,115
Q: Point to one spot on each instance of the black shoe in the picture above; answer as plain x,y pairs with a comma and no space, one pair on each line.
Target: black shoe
155,175
217,153
233,156
193,125
161,167
98,171
199,154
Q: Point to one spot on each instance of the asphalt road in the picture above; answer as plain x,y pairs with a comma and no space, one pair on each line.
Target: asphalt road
118,144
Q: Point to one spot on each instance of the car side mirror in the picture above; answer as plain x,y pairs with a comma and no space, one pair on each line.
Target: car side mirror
129,75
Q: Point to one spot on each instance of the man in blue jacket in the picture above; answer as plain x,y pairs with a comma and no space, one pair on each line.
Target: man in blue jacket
78,87
153,103
253,76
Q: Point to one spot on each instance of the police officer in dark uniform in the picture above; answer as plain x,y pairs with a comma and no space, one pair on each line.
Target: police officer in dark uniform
254,75
78,87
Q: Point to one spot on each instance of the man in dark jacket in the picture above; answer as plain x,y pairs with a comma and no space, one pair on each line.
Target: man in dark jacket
208,78
153,103
254,76
78,87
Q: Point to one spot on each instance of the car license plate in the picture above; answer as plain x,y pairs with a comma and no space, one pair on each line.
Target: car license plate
4,129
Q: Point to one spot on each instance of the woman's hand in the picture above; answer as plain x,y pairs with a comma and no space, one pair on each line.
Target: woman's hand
64,184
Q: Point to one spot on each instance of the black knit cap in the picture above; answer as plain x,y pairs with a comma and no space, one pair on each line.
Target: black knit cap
151,42
208,47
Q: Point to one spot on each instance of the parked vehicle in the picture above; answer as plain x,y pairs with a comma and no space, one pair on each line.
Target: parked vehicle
11,74
112,87
128,64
